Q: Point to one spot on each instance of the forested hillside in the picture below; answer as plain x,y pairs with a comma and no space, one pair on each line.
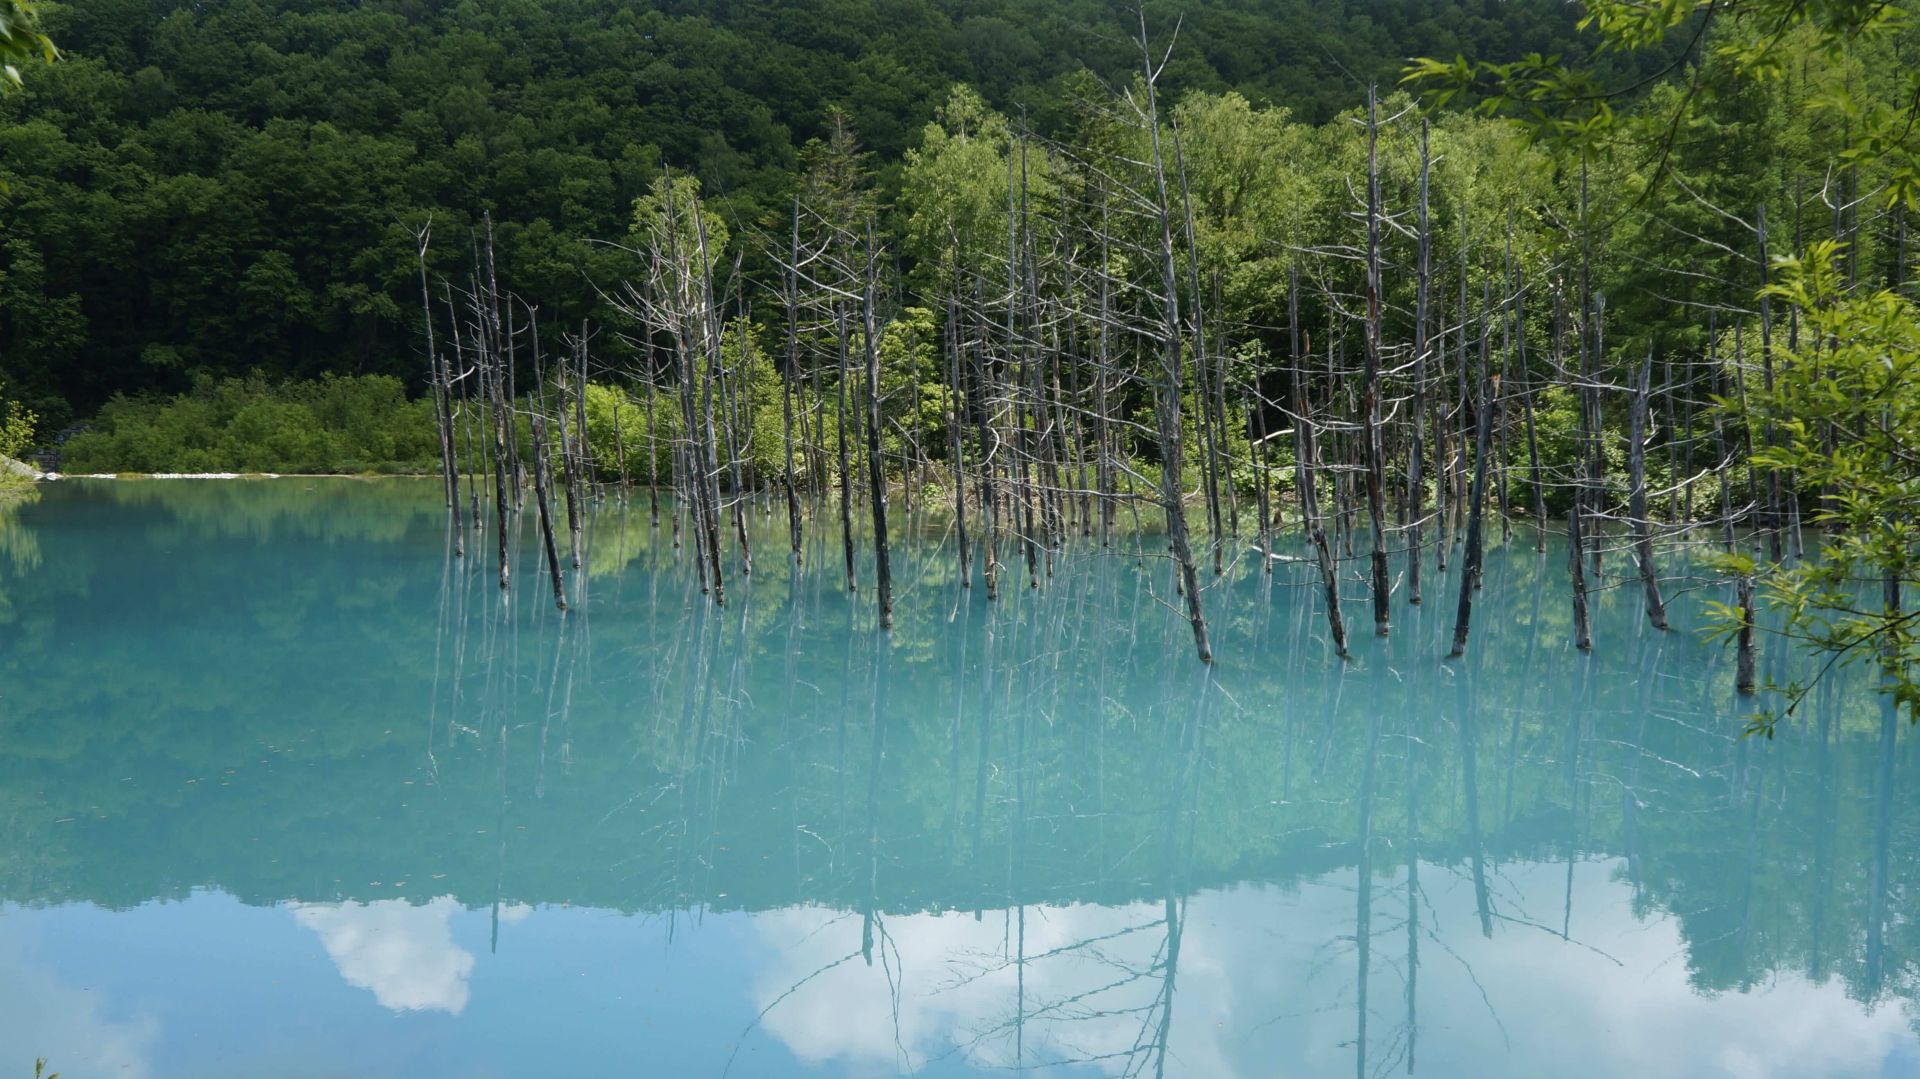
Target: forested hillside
222,188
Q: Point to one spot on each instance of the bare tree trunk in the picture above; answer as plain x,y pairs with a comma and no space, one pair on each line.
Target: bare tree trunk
569,460
653,446
1536,478
1766,375
1168,395
1470,571
989,445
1743,680
506,368
1422,312
501,434
1720,441
876,463
1370,394
1108,484
1208,436
476,463
846,467
719,381
1303,455
786,384
1457,464
541,488
1637,510
1576,564
956,446
442,388
583,454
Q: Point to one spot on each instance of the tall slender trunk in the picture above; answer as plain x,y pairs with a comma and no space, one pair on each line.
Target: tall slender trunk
876,473
1375,454
956,444
1577,567
501,432
442,391
1766,376
541,490
786,384
1209,436
1637,508
1470,570
846,466
570,461
1422,312
1168,391
1304,455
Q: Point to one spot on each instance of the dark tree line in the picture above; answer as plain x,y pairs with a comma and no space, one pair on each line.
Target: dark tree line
221,189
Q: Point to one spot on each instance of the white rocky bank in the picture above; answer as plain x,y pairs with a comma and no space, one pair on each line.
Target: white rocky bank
19,468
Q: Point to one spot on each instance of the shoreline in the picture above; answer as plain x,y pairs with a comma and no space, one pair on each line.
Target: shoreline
23,470
56,476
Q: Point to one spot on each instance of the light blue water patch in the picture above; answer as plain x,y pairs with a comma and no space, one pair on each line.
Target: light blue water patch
288,789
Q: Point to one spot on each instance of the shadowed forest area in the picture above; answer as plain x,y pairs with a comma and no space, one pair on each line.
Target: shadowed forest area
218,190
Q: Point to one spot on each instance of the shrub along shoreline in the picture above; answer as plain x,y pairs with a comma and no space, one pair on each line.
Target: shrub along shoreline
368,425
333,426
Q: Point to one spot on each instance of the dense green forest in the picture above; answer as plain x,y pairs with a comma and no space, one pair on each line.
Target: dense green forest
229,188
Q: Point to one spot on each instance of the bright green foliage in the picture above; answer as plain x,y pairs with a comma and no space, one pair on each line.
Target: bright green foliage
21,41
1255,179
618,433
910,376
1847,423
756,386
336,424
619,436
672,218
1775,94
955,184
1731,46
16,429
16,436
1556,417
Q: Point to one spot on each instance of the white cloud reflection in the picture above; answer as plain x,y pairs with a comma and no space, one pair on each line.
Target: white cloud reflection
404,953
41,1015
1267,985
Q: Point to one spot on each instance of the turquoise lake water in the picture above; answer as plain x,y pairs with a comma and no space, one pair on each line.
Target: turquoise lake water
287,791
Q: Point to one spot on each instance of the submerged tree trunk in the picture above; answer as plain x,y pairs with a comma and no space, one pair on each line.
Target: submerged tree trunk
542,488
1637,507
883,574
1370,393
1422,312
846,466
1167,396
1476,509
786,385
1304,453
1576,564
956,444
502,432
1743,671
570,463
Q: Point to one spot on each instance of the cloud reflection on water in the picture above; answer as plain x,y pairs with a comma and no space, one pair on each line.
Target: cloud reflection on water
1614,1000
404,953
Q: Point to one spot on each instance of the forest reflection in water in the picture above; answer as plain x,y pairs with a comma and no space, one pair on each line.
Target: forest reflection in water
1003,835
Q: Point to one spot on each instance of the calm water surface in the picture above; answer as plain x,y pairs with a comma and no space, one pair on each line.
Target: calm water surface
286,791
